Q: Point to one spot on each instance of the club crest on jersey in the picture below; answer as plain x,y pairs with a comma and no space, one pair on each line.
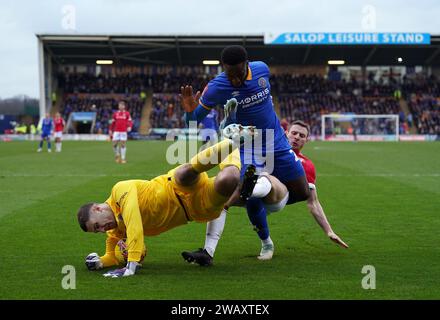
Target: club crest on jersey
262,82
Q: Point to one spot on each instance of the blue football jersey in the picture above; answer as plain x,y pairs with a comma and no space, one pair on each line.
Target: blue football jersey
46,125
211,122
255,106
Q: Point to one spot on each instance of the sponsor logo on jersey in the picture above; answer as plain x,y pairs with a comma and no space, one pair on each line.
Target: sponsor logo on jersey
254,99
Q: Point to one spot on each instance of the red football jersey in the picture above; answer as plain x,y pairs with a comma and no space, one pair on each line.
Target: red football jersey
121,121
309,169
59,124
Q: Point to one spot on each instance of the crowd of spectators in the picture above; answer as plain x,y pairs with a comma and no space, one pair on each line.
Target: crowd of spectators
166,111
310,107
317,84
422,95
163,81
426,111
160,79
89,83
104,108
307,97
421,85
304,97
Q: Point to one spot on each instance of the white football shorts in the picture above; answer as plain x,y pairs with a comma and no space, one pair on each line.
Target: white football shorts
119,136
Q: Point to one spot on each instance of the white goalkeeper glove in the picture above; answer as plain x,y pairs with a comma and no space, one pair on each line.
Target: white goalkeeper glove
93,262
230,110
129,270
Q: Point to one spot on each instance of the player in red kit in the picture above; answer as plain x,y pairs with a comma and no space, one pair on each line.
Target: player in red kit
298,135
121,124
59,124
296,138
275,194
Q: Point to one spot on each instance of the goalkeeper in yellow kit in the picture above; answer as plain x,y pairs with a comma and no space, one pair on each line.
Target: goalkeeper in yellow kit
138,208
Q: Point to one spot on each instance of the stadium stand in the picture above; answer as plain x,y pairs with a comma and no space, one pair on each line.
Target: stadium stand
307,97
298,96
90,92
423,98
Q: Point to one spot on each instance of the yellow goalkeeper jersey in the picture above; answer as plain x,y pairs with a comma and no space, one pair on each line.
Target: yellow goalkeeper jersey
148,208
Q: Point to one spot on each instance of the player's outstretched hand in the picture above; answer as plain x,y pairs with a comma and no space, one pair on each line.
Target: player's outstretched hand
187,99
129,270
335,238
93,262
124,272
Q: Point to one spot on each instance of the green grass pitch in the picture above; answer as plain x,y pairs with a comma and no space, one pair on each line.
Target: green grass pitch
383,199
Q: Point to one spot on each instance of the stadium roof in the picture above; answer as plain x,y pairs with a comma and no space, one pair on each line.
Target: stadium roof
193,49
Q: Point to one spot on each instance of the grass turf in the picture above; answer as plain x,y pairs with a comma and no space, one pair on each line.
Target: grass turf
381,198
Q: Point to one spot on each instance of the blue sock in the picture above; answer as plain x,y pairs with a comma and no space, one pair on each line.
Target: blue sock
41,144
48,144
257,215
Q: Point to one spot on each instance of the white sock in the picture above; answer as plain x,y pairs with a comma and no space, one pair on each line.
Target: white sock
267,241
214,230
123,152
116,150
262,187
60,144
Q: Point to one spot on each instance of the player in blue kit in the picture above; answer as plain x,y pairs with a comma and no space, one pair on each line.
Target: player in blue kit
209,126
46,131
248,83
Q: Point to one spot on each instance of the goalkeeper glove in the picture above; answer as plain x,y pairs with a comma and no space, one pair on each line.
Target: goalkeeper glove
129,270
230,110
93,262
